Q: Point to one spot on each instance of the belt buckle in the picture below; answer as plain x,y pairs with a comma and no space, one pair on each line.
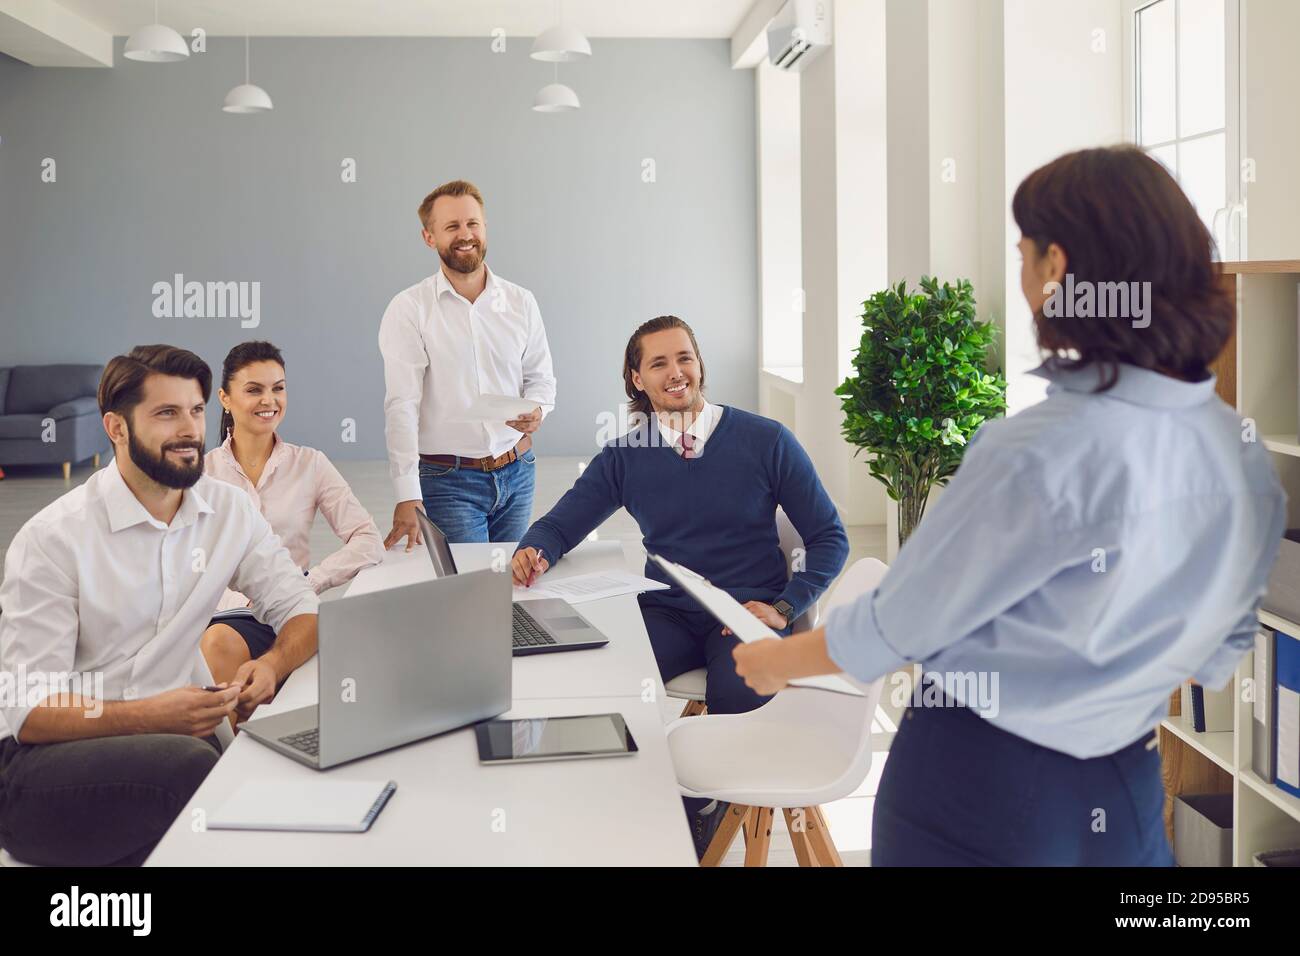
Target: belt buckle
486,464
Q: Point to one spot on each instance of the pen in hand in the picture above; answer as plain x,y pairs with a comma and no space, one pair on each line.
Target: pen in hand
537,564
212,687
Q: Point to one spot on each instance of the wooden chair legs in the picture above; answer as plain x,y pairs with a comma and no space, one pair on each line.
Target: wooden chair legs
67,470
819,836
726,833
758,835
796,821
809,836
694,708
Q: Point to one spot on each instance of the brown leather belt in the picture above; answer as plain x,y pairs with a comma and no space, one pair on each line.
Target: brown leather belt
481,464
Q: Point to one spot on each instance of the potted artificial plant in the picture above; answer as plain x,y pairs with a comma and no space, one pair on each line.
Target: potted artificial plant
920,389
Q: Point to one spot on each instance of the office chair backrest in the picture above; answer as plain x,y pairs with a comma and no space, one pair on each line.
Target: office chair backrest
790,543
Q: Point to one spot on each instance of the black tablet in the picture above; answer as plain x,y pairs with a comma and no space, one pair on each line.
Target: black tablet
553,738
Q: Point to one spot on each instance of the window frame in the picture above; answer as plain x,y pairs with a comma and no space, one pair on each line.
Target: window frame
1228,223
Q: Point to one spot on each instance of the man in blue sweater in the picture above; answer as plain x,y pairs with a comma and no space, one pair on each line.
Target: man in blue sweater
703,482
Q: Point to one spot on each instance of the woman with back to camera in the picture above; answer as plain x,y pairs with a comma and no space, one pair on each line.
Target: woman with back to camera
1092,552
289,484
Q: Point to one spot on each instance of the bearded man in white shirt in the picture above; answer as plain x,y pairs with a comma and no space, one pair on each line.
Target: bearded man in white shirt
106,725
461,333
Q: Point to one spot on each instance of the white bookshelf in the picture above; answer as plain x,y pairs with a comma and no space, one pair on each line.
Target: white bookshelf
1259,374
1268,393
1282,444
1264,817
1216,746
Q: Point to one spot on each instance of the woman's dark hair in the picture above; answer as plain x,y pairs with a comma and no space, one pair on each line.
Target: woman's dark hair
241,356
632,355
1121,218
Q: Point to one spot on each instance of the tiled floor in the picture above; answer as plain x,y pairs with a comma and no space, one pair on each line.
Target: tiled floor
27,490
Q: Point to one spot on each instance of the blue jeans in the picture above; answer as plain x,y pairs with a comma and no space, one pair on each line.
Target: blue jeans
472,505
958,791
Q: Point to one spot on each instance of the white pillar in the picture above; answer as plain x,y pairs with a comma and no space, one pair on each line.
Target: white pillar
780,280
1063,90
845,236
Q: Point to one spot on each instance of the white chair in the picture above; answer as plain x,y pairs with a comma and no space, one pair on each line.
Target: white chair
690,685
803,748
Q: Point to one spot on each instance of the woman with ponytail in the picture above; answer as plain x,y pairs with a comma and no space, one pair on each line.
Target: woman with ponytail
289,484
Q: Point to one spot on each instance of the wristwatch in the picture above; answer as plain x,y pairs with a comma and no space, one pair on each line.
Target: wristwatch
785,609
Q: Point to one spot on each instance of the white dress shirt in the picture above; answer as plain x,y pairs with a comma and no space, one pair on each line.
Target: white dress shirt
95,585
699,429
440,352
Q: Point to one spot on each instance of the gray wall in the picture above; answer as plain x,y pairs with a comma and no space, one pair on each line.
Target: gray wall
153,179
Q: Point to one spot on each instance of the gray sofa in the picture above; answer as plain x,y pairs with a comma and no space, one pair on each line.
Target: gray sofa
30,394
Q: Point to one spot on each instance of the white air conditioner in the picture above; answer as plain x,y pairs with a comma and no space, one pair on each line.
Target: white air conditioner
798,34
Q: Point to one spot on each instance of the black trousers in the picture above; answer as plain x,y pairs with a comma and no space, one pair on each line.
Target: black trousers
958,791
105,801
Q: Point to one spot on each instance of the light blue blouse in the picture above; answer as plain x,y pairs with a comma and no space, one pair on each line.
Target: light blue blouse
1092,552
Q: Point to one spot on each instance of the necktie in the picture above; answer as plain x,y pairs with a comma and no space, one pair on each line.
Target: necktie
687,445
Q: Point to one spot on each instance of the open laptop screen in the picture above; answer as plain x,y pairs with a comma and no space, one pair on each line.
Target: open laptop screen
444,565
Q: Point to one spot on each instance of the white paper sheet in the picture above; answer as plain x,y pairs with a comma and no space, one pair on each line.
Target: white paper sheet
743,624
588,587
496,408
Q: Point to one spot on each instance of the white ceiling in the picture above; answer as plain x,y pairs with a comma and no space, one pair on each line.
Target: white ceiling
453,18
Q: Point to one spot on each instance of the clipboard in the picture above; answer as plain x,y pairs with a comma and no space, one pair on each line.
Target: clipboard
730,612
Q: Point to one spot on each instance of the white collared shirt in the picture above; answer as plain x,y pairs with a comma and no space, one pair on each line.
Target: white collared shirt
700,429
440,353
96,586
1134,533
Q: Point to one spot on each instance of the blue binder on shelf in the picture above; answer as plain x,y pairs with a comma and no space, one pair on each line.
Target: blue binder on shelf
1287,663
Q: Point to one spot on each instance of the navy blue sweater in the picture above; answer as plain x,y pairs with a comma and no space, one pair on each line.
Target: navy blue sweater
715,514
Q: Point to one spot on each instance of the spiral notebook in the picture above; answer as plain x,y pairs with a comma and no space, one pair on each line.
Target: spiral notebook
338,806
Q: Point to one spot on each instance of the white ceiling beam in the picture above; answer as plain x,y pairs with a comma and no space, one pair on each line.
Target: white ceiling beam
43,33
749,42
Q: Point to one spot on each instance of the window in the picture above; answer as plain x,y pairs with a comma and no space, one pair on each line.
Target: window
1182,101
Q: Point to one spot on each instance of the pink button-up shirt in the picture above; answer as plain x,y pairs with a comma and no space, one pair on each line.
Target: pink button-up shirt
296,483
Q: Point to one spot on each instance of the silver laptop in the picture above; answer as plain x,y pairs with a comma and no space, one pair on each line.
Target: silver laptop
400,665
538,627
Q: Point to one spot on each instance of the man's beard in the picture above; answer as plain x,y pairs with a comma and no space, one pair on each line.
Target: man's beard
464,262
163,471
694,404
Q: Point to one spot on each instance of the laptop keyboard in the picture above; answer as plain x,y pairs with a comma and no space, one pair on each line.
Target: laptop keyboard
308,741
527,633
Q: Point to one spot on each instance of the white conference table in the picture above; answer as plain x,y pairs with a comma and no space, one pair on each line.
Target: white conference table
449,809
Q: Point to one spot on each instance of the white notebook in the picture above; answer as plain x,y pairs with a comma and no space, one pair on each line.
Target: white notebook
341,806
